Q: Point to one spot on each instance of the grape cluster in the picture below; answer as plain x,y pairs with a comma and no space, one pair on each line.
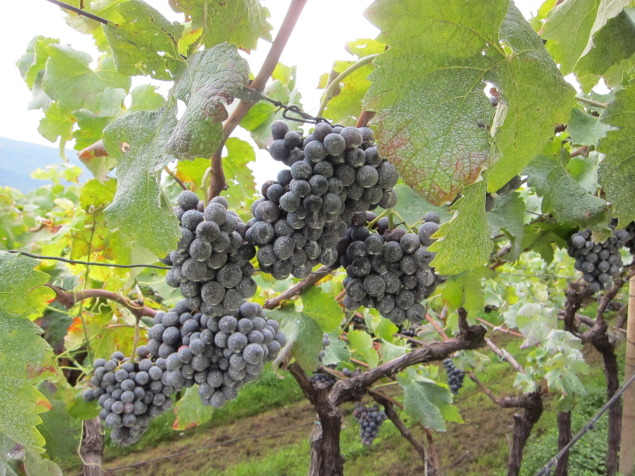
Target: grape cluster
130,394
211,263
333,173
599,262
370,420
391,271
220,354
322,381
455,376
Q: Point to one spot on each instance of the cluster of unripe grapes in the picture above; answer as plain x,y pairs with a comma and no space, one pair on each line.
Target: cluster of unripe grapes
390,270
370,420
599,262
333,174
130,394
211,263
455,376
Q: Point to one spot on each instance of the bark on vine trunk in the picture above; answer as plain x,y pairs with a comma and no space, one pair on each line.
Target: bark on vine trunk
564,436
601,342
523,424
326,458
92,448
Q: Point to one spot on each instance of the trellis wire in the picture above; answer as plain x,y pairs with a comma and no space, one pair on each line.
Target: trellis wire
588,426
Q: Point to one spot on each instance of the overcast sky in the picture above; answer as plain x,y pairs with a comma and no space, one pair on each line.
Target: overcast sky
324,28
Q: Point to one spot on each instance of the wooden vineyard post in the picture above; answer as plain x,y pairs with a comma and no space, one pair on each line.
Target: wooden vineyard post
627,453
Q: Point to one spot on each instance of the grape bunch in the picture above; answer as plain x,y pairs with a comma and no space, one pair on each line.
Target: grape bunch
219,354
130,394
370,420
211,263
455,376
599,262
391,271
333,173
322,381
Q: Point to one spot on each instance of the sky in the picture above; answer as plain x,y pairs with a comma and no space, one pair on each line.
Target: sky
319,38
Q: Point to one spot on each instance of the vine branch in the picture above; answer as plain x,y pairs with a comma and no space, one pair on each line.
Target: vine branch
296,289
394,418
218,182
68,299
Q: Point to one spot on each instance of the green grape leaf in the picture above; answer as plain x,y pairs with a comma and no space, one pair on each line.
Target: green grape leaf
585,129
433,119
562,195
412,207
213,78
97,195
617,170
239,22
145,98
22,290
465,290
56,124
613,46
144,42
464,241
346,104
32,63
322,308
139,210
533,320
25,359
427,402
238,175
190,412
386,330
390,351
336,351
81,93
361,345
606,10
572,16
508,216
540,236
36,465
58,422
303,334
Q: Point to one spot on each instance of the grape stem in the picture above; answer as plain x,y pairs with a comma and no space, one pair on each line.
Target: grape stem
328,94
591,102
176,179
296,289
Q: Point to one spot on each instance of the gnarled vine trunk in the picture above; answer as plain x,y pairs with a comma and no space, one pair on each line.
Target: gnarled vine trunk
564,437
523,424
92,448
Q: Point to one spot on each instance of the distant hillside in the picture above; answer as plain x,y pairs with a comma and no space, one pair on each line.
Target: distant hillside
19,159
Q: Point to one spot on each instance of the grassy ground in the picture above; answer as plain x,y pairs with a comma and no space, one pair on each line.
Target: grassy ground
479,446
